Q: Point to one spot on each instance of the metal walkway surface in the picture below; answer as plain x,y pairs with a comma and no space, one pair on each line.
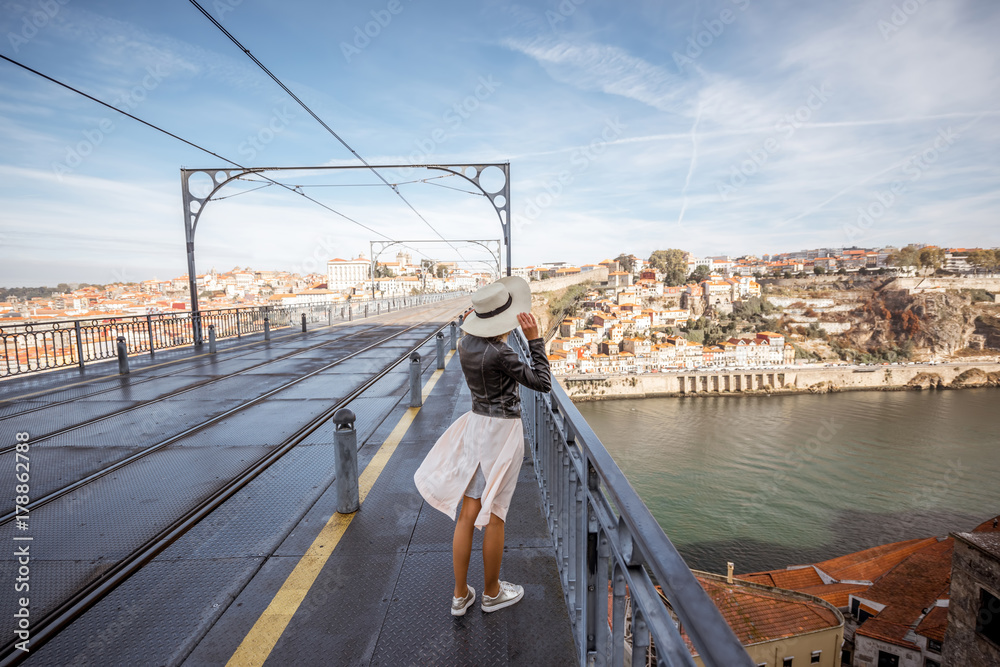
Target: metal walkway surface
221,592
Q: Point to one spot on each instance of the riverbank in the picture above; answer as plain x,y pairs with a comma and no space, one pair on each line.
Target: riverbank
794,380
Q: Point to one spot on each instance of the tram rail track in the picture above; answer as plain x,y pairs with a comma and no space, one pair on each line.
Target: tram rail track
253,347
193,387
75,605
73,486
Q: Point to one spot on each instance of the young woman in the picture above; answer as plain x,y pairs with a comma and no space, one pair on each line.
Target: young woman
477,460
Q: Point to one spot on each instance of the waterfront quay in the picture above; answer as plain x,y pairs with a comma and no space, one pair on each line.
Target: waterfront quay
187,513
782,380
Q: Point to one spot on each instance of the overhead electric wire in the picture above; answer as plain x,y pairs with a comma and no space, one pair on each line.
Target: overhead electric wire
194,145
320,121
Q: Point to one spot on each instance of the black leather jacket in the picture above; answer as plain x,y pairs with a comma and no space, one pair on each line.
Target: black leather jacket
493,371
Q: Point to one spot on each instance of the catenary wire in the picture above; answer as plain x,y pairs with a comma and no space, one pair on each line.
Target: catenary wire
320,121
204,150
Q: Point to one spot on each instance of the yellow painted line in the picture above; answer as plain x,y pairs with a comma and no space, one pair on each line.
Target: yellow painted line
265,633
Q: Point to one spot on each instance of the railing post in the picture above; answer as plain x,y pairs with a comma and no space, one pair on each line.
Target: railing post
350,313
454,335
329,316
640,638
211,339
416,400
267,328
303,322
79,344
366,310
238,332
618,617
122,356
149,332
345,439
439,340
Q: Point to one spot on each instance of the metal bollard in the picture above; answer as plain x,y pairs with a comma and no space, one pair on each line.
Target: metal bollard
303,322
122,356
345,439
416,400
267,328
439,340
211,339
454,335
350,314
366,310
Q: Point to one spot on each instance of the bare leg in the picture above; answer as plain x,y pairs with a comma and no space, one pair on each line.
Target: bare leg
492,555
461,543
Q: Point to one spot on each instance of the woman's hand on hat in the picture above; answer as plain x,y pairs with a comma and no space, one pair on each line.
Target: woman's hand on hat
528,325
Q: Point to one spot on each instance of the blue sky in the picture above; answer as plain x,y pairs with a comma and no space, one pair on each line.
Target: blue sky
721,127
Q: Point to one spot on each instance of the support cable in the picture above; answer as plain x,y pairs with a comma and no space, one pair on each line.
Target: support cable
320,121
202,149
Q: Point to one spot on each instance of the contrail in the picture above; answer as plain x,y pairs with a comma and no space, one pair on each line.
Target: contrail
694,162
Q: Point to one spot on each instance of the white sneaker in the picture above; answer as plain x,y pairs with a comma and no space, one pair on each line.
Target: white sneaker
459,605
509,594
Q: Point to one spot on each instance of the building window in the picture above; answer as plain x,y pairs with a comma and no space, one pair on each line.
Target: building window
931,663
814,657
988,618
887,659
933,646
787,662
845,656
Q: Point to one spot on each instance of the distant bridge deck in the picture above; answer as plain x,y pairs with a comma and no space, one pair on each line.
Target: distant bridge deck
270,574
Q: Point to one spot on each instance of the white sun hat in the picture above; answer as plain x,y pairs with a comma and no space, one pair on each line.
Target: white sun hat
496,307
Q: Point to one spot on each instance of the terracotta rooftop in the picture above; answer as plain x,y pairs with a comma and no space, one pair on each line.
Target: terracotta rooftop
934,624
759,614
870,564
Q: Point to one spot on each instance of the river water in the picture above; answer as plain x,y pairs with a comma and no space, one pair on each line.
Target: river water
768,482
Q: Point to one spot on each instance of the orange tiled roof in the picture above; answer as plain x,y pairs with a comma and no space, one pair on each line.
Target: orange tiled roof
793,579
915,584
759,615
839,595
870,564
893,633
934,624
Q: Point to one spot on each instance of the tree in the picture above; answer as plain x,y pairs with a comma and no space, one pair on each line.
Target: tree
625,262
931,258
819,270
383,271
908,256
701,272
442,271
988,260
671,263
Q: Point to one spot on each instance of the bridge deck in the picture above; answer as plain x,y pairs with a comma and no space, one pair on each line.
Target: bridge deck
274,575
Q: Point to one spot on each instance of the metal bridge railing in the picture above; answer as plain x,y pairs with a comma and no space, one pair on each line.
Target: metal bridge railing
608,546
42,346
